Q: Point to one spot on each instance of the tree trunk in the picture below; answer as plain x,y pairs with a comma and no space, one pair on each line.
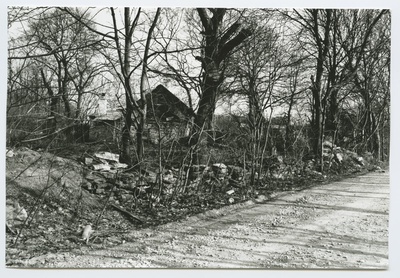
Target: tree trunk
218,44
203,122
126,134
316,141
322,48
125,60
332,114
51,124
204,117
288,130
126,130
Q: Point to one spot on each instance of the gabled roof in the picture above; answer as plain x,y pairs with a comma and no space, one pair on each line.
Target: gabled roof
167,105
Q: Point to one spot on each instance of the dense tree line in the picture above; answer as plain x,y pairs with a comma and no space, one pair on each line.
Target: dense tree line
325,72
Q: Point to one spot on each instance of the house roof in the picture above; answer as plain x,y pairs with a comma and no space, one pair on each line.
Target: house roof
167,105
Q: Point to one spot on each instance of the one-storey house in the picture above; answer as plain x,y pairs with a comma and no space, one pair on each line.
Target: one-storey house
106,126
168,118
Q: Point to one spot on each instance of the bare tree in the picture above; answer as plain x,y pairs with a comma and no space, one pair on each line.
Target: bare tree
122,44
328,36
177,50
144,88
372,86
258,67
219,40
63,51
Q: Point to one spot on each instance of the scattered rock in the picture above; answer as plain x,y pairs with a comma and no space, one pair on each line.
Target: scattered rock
107,156
150,177
236,172
9,153
100,190
169,178
87,232
220,168
327,144
261,198
88,160
102,167
339,157
119,165
109,175
360,160
278,176
19,212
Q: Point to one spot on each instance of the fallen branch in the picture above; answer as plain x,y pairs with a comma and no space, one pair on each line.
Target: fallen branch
126,213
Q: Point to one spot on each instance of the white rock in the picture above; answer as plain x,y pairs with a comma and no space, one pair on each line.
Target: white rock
9,153
220,168
107,156
120,165
169,178
220,165
87,232
19,212
88,161
339,157
102,167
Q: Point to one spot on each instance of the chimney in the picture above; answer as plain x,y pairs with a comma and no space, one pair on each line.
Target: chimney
102,105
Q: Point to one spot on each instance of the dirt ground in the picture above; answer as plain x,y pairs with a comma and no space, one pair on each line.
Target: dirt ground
341,225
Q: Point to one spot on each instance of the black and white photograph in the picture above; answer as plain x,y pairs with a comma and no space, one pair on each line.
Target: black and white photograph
196,137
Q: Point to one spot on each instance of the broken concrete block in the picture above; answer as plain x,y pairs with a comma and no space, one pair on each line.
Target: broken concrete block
151,178
220,168
100,191
9,153
101,167
87,185
169,178
119,165
339,157
88,161
108,175
20,213
107,156
87,231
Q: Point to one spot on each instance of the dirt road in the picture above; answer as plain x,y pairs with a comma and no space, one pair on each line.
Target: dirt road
339,225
